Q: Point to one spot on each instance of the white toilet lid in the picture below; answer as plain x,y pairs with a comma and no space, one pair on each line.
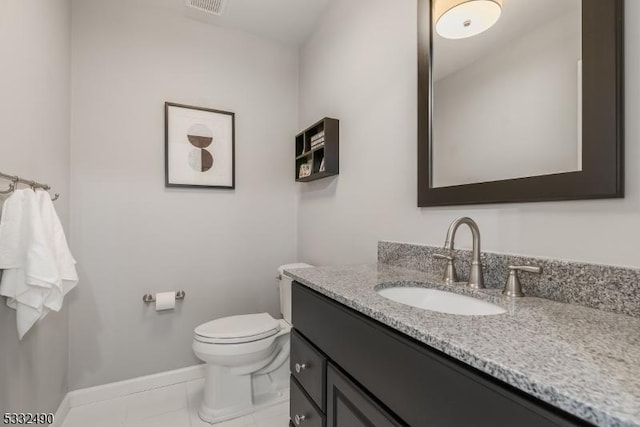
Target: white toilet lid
238,329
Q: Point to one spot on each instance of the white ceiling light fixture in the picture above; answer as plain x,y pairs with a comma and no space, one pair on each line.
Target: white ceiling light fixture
459,19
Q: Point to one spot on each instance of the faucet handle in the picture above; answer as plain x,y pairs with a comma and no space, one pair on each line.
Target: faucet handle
528,268
513,288
450,276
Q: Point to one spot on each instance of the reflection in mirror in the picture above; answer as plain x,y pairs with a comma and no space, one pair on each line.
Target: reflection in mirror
507,101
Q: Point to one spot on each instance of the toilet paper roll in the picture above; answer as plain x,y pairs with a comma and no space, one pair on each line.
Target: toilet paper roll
165,301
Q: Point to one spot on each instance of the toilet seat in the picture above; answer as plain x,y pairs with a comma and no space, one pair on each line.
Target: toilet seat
238,329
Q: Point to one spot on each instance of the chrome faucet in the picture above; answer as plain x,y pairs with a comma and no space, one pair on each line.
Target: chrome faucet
476,279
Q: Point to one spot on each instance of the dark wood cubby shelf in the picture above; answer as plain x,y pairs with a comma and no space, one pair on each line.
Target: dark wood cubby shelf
329,151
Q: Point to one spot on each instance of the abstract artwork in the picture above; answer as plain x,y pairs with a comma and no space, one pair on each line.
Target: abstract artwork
199,147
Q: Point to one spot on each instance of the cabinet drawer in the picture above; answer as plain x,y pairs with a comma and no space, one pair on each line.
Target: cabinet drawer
301,410
309,367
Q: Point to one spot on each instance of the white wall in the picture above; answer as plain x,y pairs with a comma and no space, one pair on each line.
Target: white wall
131,234
512,113
34,143
360,67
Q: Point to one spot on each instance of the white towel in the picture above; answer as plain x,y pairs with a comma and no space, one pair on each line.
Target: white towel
11,221
65,263
38,269
29,267
28,301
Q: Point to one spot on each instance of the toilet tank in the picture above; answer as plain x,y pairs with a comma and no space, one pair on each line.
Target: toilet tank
285,289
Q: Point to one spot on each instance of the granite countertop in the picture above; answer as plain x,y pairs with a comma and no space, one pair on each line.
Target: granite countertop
582,360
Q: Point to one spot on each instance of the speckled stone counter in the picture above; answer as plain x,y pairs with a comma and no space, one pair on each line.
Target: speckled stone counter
581,360
604,287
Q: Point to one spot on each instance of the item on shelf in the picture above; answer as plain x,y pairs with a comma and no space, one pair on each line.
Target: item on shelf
317,143
305,170
322,165
317,136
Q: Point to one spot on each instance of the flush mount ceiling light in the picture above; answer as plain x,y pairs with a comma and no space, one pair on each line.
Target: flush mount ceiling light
459,19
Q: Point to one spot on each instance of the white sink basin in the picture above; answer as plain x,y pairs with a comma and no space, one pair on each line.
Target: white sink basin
441,301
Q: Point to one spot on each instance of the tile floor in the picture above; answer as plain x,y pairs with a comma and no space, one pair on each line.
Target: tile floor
173,406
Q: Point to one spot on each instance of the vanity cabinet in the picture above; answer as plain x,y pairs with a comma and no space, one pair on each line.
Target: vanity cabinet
372,375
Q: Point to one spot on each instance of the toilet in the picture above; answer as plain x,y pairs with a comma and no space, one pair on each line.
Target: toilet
247,359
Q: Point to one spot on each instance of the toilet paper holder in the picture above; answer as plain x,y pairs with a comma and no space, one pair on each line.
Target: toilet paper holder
149,298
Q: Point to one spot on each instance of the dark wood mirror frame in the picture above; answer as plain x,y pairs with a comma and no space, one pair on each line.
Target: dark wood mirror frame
602,174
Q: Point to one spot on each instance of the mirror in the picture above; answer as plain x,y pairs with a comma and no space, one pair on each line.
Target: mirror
520,100
515,88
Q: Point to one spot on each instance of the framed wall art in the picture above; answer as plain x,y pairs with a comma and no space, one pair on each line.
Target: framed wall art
199,147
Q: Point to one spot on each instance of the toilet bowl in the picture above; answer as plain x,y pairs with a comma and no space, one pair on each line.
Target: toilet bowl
247,359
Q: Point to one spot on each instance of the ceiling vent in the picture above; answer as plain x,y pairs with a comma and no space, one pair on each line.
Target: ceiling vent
214,7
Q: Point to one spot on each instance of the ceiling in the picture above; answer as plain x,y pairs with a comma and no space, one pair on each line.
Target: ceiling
289,22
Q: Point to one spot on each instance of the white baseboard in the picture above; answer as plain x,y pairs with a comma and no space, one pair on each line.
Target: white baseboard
110,391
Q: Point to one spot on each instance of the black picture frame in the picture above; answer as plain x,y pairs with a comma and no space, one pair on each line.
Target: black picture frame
169,184
602,175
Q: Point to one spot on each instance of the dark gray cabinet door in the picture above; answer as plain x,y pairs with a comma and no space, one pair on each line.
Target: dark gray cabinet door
349,406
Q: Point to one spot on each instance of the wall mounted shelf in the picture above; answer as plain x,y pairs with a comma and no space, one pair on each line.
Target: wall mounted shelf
318,147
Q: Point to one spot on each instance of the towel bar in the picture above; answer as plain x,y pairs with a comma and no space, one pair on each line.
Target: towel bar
18,180
149,298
